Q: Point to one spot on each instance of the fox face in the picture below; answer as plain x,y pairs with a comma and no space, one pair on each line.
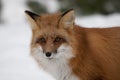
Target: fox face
50,45
50,34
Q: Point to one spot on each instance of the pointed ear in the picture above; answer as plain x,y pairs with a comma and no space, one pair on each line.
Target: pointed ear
32,17
67,19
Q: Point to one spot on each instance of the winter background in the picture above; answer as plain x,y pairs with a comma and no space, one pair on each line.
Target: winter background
15,35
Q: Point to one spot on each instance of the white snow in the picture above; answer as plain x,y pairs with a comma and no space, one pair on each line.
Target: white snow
15,35
98,20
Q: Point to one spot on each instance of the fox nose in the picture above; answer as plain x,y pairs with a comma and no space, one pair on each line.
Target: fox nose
48,54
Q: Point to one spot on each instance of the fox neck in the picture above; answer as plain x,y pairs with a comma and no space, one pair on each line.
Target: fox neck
60,70
80,51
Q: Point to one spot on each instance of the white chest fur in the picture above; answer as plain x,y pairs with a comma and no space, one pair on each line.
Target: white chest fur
60,70
58,66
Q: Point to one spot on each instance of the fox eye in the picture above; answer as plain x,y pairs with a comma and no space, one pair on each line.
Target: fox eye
41,40
58,39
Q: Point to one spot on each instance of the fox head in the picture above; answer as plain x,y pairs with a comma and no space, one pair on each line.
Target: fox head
51,34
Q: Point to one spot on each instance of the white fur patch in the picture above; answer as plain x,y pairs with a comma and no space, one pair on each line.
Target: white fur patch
58,65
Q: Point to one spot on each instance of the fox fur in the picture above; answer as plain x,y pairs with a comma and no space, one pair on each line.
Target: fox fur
89,53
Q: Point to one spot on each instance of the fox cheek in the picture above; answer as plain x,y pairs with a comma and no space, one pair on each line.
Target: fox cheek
41,49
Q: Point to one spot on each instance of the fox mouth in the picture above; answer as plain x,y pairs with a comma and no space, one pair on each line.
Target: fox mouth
50,58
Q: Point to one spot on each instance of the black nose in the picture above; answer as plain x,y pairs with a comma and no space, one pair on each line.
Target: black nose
48,54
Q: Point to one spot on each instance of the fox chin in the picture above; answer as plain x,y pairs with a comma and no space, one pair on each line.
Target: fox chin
71,52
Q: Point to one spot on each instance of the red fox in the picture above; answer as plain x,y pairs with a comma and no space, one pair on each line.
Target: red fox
70,52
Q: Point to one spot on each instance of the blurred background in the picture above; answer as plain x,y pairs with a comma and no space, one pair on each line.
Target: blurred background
15,32
82,7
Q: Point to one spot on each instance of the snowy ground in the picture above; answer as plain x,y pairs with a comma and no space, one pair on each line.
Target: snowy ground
15,35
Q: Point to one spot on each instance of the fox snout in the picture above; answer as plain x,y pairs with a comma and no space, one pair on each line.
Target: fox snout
49,54
49,51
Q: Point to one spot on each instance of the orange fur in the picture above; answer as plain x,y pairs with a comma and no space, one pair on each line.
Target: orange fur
97,53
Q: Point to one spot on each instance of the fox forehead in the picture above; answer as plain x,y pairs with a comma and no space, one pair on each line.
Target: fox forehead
48,25
51,25
48,21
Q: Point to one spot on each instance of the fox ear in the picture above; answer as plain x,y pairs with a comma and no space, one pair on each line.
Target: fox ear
32,17
67,19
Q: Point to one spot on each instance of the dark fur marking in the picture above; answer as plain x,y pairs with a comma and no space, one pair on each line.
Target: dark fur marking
31,14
